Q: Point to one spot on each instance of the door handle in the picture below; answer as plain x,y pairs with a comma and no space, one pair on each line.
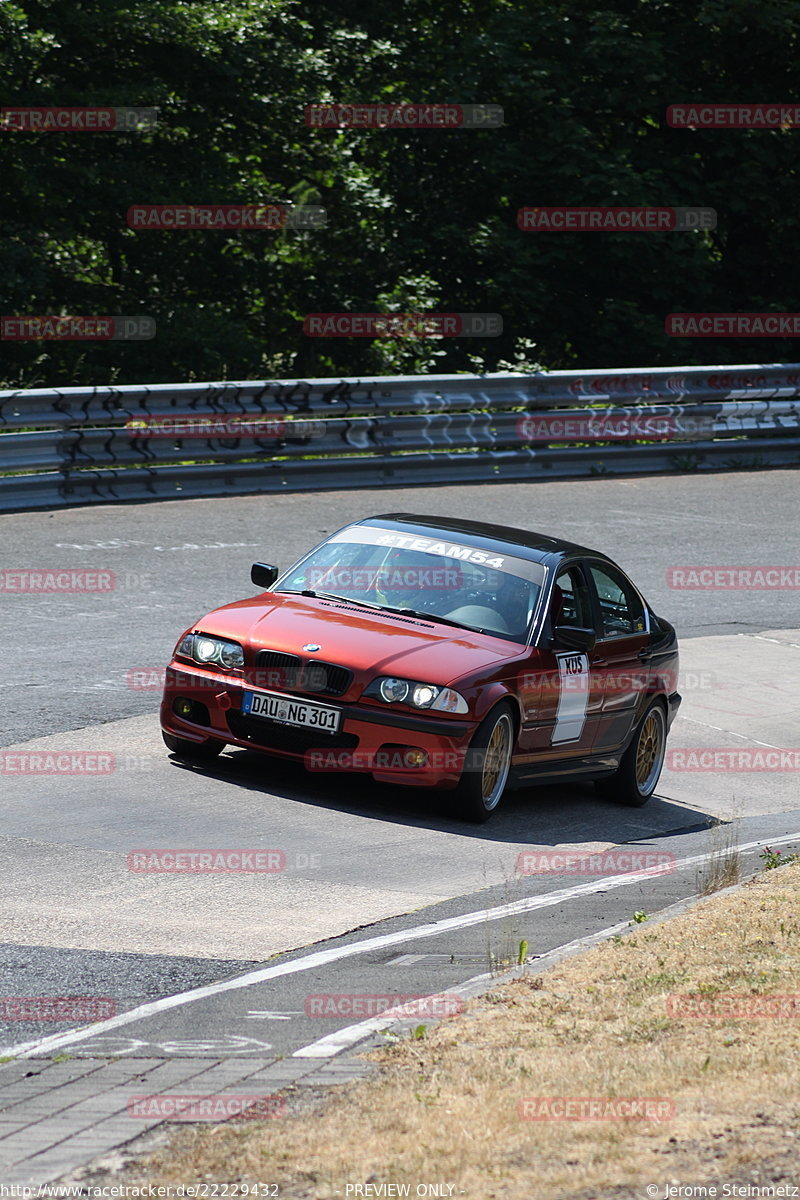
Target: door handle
599,662
645,654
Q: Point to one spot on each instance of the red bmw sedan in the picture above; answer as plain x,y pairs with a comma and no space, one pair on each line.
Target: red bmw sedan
438,653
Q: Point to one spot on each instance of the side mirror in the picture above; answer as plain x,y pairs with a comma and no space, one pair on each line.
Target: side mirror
263,575
573,637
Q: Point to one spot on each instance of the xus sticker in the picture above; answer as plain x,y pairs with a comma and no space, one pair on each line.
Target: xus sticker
573,677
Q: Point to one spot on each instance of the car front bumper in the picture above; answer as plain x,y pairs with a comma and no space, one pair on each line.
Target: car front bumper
370,739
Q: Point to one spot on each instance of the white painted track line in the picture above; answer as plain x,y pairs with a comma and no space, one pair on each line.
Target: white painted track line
342,1039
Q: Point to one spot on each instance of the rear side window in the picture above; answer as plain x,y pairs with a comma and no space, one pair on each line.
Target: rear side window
621,610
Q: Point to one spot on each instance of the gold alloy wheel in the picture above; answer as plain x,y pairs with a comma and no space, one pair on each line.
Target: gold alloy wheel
648,751
496,762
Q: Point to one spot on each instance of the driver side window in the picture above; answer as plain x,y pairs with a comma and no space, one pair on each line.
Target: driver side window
570,603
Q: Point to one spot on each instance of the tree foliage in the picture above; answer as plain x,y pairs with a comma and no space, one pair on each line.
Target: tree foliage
416,220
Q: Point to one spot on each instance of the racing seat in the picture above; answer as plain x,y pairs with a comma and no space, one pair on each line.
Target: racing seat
556,605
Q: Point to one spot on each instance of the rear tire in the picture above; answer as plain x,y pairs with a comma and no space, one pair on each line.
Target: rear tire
192,751
485,774
634,781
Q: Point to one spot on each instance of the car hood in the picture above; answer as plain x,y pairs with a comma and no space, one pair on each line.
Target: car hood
355,637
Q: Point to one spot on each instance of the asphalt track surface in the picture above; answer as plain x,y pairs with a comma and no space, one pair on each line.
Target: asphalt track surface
362,862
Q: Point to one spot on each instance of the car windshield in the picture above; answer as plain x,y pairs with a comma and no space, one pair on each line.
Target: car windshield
482,589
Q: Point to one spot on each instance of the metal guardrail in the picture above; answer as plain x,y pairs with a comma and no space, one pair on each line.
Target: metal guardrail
94,445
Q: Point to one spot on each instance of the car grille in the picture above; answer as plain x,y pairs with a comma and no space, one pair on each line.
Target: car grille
284,737
275,670
289,672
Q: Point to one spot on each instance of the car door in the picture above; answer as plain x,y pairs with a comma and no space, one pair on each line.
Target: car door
618,659
561,706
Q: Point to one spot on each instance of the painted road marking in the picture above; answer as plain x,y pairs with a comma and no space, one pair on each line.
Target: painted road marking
405,960
342,1039
321,958
326,1047
254,1015
228,1044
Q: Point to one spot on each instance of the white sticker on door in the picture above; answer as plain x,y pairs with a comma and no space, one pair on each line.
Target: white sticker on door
573,677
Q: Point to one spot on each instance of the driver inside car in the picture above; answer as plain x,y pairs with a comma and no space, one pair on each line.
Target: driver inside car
413,579
493,600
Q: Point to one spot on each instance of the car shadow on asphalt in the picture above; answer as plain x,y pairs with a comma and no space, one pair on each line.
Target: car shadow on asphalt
545,814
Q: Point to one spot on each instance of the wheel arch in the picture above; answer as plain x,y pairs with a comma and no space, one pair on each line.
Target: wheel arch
496,695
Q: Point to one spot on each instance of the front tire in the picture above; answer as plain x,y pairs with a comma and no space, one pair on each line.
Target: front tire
483,780
634,781
197,752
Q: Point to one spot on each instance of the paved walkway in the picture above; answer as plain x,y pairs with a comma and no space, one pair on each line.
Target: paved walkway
58,1116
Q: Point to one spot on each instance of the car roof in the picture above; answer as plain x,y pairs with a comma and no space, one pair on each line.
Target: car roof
525,543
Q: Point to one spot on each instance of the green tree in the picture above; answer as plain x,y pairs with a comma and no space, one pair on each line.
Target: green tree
415,219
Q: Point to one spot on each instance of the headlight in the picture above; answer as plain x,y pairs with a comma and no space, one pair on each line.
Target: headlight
205,649
231,655
218,651
393,691
419,695
423,695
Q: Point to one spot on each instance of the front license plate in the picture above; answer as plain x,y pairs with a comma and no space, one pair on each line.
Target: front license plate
287,711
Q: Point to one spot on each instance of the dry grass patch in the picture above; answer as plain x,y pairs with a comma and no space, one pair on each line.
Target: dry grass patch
446,1109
